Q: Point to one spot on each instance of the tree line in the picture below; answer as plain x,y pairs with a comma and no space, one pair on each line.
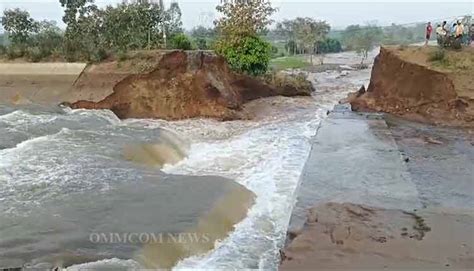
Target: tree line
92,33
294,34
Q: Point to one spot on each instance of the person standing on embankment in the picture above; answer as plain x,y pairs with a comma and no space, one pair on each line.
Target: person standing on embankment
429,29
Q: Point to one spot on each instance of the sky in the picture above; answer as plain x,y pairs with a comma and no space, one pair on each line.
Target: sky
339,13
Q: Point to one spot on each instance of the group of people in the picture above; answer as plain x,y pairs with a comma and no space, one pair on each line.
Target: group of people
453,36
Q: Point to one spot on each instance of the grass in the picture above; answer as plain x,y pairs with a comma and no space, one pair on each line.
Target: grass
438,55
460,61
289,62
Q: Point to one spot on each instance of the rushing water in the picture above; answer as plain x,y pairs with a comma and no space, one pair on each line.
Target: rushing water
47,155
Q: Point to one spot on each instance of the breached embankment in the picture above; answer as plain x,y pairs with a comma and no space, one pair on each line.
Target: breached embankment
405,82
168,85
87,160
177,85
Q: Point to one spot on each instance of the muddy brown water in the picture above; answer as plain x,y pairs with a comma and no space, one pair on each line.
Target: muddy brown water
76,187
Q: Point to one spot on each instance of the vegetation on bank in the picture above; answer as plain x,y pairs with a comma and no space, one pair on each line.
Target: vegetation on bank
240,34
93,33
459,61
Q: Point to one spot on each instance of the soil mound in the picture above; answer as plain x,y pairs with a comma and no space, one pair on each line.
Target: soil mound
175,85
410,82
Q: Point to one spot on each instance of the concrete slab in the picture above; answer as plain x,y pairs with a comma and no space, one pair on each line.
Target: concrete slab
42,68
354,158
383,161
441,162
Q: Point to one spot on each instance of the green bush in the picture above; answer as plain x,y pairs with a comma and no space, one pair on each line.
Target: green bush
181,41
71,51
201,44
438,55
249,55
14,51
328,46
98,55
48,40
35,54
291,47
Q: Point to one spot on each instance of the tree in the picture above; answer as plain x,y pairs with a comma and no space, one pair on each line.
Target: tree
309,32
174,25
286,30
363,39
73,10
243,18
48,40
132,27
291,47
251,56
349,34
82,19
19,26
238,28
93,32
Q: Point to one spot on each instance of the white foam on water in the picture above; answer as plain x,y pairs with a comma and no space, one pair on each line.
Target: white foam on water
107,264
7,156
266,156
102,113
268,160
20,117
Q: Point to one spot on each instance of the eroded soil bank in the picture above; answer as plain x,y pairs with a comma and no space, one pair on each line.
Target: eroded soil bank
412,83
177,85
